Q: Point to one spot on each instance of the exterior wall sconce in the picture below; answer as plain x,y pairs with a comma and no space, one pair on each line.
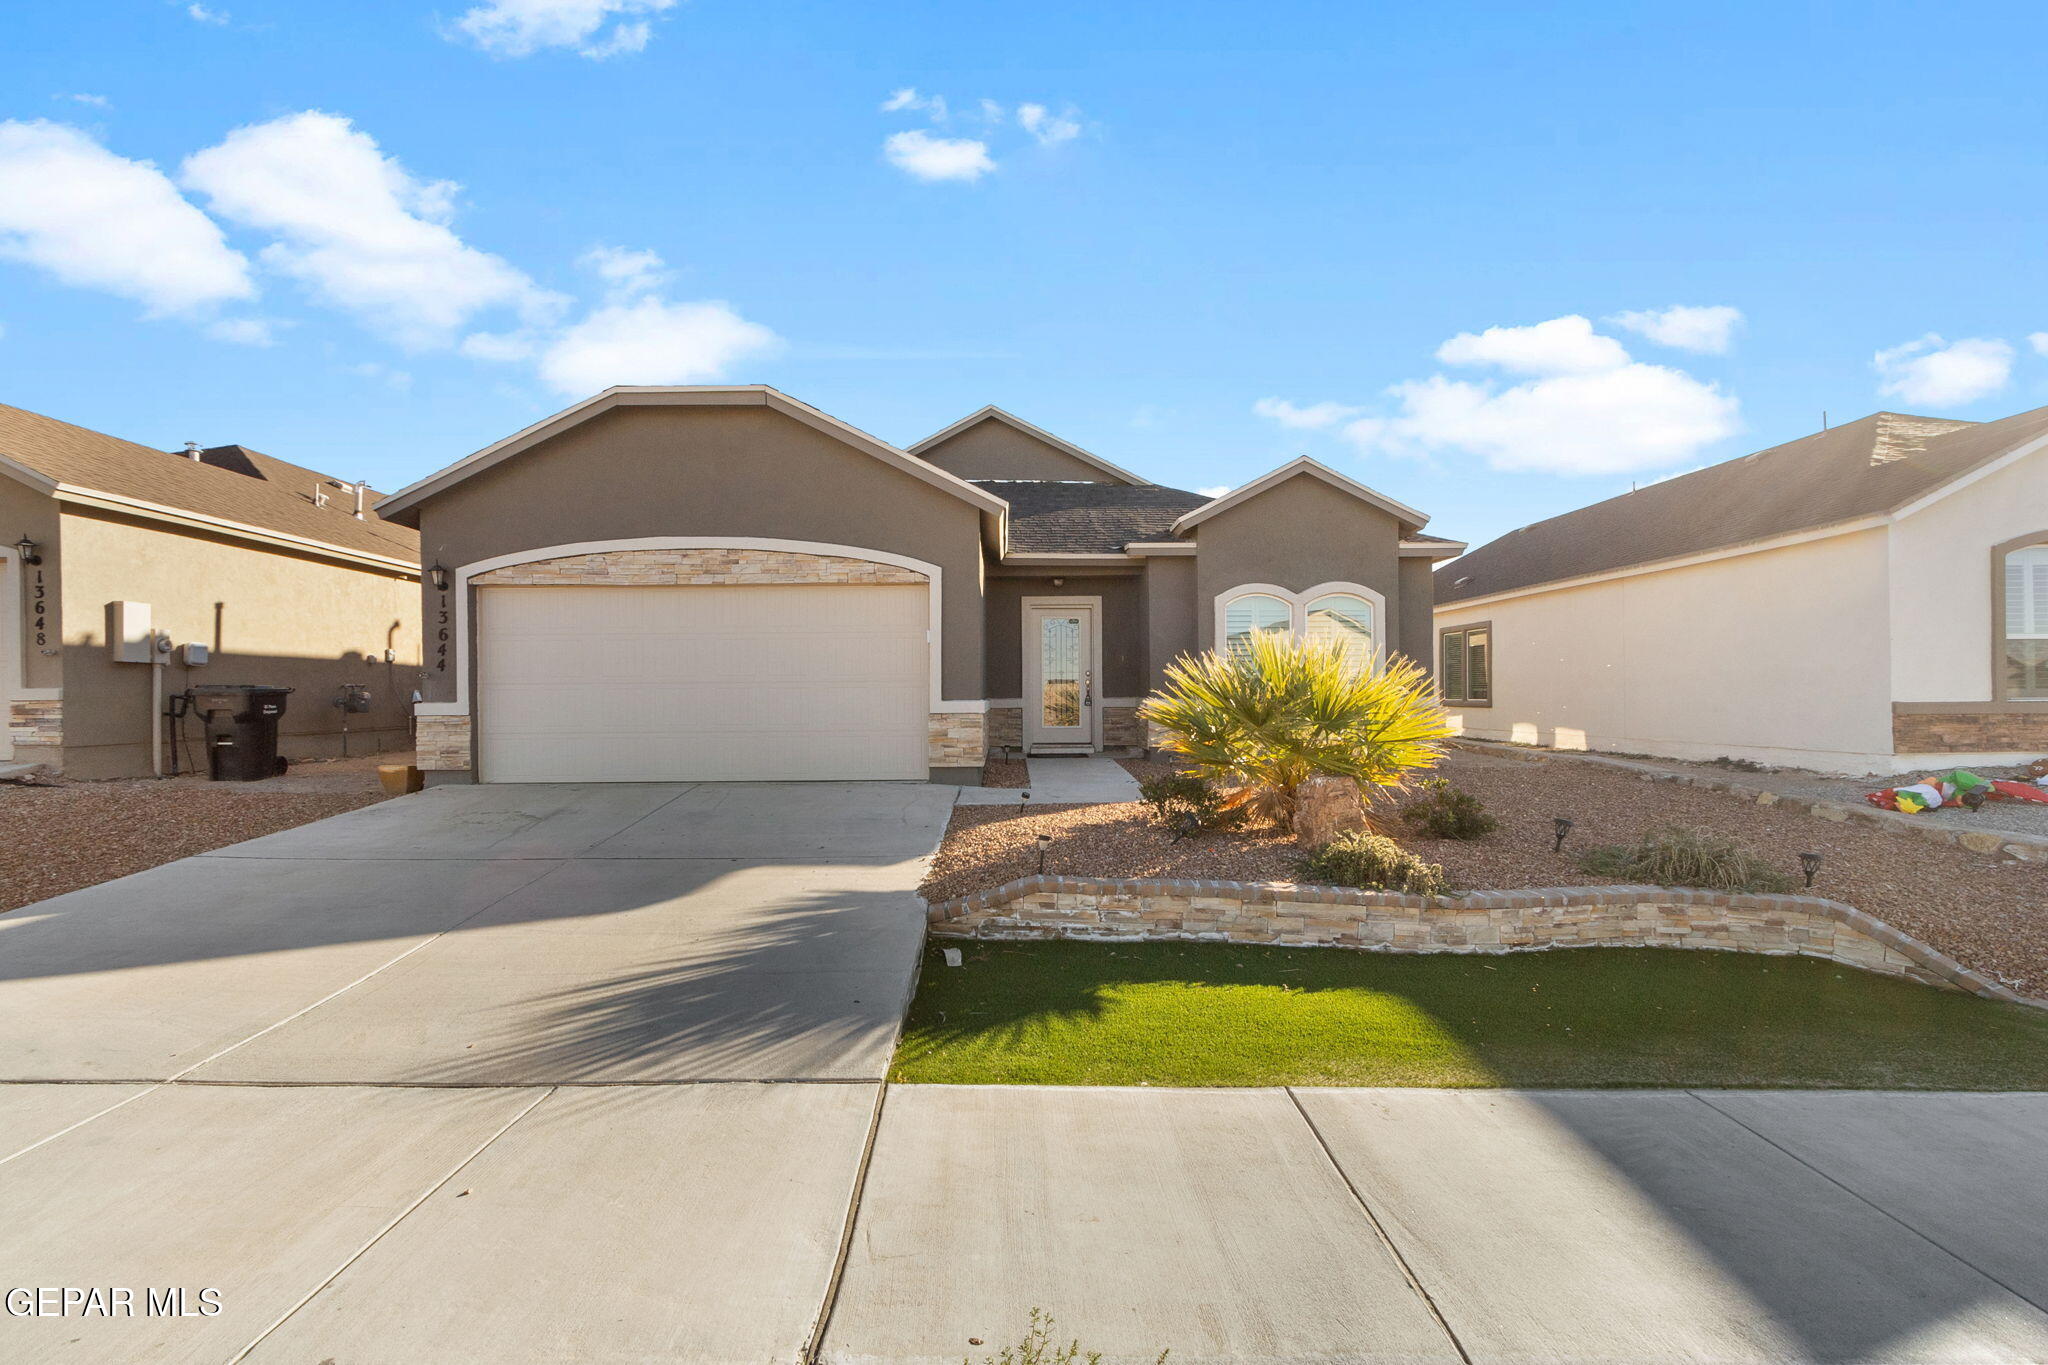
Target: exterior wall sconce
27,548
438,576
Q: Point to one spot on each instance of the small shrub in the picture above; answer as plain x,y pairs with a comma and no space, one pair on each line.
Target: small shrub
1039,1348
1678,855
1444,812
1187,804
1374,862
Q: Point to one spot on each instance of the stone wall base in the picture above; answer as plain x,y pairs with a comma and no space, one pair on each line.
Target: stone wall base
443,744
956,739
1047,907
36,722
1005,727
2002,728
1121,728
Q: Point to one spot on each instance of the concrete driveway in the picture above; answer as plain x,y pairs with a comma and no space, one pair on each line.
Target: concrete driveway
594,1073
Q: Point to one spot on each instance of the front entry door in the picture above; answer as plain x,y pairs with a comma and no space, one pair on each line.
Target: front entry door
1061,696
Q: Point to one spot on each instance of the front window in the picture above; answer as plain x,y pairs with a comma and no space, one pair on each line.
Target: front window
2026,622
1254,614
1465,669
1347,621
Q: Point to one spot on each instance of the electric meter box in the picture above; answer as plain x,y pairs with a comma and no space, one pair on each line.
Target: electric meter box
193,655
130,640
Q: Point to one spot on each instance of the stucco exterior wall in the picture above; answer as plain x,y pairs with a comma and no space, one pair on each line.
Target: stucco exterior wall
1943,608
712,471
996,450
23,511
1782,656
1415,628
1169,615
267,616
1122,671
1296,535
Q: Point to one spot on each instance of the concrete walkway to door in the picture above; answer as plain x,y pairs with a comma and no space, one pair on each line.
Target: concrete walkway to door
1076,780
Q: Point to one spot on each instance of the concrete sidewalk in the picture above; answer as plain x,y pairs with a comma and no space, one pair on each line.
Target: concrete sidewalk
1074,780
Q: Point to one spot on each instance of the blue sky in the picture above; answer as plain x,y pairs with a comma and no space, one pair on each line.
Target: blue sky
1198,238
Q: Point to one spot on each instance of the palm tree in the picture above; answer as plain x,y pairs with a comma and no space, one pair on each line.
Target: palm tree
1259,720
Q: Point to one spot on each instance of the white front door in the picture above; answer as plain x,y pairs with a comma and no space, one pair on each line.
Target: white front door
1061,696
703,684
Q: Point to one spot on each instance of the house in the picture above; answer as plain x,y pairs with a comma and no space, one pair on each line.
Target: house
726,583
1871,598
268,568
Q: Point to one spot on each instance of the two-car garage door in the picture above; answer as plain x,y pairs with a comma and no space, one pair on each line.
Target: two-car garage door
705,683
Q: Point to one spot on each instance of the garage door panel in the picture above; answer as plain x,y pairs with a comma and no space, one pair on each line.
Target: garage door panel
710,683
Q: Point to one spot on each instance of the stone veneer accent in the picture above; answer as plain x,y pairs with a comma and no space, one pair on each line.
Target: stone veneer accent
38,722
955,740
443,744
2012,727
1005,727
1481,922
1121,728
689,568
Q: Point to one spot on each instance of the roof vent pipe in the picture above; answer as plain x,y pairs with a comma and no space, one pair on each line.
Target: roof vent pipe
193,452
361,487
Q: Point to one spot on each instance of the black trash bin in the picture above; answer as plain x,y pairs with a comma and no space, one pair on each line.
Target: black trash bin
241,730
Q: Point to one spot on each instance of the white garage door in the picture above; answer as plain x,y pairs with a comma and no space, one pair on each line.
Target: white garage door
770,683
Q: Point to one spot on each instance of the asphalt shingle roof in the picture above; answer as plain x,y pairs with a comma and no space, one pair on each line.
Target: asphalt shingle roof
1861,469
1088,518
230,482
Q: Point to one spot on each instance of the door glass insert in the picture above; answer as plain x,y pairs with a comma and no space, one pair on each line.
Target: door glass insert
1059,643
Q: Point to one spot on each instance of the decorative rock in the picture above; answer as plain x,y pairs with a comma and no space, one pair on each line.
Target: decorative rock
1326,806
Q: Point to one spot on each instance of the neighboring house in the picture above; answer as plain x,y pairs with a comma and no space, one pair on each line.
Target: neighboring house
265,564
725,583
1873,598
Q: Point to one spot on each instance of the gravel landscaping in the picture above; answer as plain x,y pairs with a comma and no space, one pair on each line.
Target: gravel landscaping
1990,914
65,836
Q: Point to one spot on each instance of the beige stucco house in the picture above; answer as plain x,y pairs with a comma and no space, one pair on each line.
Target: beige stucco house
1871,598
726,583
267,566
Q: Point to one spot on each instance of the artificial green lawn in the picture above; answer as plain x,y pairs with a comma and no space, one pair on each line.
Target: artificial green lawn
1215,1014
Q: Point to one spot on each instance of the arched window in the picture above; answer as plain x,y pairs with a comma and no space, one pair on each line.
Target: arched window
2026,623
1346,620
1251,614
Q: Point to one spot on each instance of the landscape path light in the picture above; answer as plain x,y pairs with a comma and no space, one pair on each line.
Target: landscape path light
1562,825
1809,863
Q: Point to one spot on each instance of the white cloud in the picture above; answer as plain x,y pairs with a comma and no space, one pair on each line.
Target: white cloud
907,100
1218,491
244,331
624,270
358,229
1587,409
2039,341
1047,127
96,101
938,158
1312,417
1943,374
95,219
380,373
649,341
520,28
204,15
1566,345
1708,330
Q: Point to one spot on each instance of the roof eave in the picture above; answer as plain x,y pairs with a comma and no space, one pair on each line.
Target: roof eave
1410,519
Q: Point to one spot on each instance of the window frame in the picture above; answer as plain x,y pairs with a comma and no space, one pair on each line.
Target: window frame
1999,639
1297,609
1464,628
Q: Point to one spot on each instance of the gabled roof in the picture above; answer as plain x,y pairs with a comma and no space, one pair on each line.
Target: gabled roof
684,395
993,413
230,489
1856,474
1410,519
1087,518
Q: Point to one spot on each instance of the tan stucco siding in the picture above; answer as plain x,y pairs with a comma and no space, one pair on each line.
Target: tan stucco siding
24,511
268,617
994,449
748,472
1945,618
1781,656
1123,645
1414,623
1296,535
1169,615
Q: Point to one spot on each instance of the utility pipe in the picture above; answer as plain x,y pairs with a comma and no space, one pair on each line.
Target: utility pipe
157,663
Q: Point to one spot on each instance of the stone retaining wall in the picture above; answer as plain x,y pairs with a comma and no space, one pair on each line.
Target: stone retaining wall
1480,922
